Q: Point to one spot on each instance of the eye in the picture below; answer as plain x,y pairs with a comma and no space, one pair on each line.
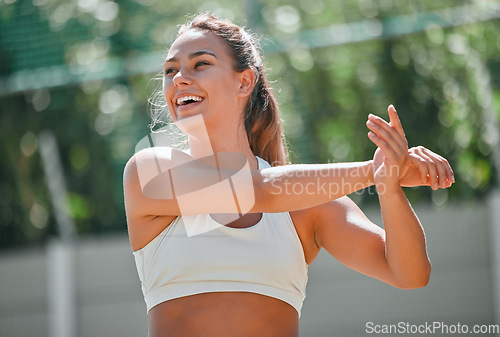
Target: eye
169,71
201,63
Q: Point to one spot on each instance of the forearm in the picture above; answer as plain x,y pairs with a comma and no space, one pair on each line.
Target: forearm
406,252
295,187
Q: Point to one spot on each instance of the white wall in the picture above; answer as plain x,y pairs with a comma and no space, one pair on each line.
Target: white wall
339,301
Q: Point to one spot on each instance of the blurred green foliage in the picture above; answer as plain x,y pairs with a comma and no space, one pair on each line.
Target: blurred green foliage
84,70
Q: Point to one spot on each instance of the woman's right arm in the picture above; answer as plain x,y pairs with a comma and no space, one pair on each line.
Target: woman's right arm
161,181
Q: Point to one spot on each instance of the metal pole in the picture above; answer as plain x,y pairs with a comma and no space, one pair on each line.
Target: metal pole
61,289
61,261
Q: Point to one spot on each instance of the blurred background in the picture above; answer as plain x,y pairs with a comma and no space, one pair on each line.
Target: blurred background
75,79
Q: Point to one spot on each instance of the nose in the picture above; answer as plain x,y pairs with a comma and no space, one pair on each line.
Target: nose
181,78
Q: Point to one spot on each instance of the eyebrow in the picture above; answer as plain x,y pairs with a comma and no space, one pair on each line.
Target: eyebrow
192,55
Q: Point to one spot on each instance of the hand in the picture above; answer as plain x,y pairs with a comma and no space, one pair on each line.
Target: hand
417,166
426,168
391,156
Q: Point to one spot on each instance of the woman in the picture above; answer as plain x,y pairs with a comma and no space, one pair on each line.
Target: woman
244,273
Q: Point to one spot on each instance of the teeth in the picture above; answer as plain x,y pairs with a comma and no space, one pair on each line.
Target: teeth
183,99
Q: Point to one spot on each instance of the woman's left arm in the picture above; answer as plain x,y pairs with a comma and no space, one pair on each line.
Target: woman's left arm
396,254
405,248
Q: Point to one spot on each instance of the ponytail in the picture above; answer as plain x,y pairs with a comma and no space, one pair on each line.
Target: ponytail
263,123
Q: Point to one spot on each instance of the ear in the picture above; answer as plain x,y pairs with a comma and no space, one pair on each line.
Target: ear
247,82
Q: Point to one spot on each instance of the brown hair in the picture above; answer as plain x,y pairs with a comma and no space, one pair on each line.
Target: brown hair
262,118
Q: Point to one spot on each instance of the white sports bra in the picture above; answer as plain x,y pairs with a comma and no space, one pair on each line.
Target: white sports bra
266,259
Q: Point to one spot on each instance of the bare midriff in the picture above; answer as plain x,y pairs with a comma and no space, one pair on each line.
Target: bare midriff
224,314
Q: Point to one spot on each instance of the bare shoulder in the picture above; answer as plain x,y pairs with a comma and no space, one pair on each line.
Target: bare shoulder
146,185
146,217
144,160
135,175
153,158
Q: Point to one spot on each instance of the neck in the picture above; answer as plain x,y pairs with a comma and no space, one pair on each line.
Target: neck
210,142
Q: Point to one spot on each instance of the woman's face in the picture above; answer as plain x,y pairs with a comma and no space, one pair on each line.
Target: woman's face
199,79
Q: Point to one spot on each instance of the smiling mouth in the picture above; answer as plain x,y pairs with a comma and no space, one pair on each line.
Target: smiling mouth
186,100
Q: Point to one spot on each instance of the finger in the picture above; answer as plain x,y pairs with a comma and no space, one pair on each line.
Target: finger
389,135
441,172
388,128
383,145
395,122
449,171
443,168
448,176
433,174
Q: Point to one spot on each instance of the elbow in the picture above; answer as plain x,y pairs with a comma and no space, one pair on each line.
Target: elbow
425,276
416,284
418,280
